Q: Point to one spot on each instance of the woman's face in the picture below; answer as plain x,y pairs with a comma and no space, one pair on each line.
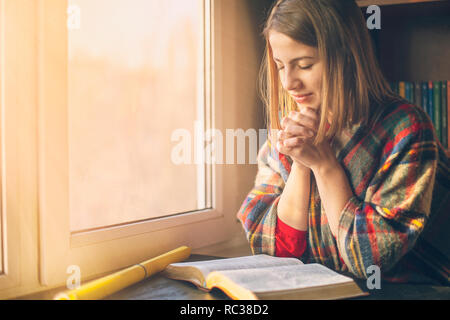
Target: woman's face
299,69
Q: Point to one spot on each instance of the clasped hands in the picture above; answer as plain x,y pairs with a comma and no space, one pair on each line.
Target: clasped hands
296,140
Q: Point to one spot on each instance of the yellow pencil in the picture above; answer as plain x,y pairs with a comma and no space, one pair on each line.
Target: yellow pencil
115,282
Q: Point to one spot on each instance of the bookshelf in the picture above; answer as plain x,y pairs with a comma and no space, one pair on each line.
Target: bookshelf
414,41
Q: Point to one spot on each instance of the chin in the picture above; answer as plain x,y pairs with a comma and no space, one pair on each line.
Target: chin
309,105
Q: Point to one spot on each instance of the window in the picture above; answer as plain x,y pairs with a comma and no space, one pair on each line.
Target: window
115,82
135,76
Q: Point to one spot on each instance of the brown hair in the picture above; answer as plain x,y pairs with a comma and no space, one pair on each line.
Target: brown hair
353,87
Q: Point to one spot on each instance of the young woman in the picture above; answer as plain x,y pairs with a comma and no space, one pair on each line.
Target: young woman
351,176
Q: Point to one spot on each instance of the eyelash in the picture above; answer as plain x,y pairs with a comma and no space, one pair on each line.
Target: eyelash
304,68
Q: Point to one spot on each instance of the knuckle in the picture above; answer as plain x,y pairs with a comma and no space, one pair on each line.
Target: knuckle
289,128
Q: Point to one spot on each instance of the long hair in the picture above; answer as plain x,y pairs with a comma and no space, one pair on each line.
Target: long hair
353,86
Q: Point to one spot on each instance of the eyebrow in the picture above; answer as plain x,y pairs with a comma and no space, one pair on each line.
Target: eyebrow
295,59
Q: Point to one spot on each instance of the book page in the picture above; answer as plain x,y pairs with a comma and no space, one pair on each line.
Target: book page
239,263
280,278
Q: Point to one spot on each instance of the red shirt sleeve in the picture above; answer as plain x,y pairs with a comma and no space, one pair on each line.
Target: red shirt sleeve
289,242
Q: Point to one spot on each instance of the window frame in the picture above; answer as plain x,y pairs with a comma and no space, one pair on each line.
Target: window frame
11,174
111,248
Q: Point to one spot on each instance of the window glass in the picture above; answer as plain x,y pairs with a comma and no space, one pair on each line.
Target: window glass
135,75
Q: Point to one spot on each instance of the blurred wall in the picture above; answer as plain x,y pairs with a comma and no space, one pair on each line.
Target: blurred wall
238,58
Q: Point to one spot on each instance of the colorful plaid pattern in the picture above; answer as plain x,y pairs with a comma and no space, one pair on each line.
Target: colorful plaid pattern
398,218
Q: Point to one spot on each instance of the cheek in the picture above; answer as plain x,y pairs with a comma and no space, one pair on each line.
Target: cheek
317,85
318,80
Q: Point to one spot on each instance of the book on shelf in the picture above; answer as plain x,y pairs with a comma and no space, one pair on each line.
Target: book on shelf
444,115
437,108
266,277
425,97
410,94
433,97
407,91
402,89
417,93
431,100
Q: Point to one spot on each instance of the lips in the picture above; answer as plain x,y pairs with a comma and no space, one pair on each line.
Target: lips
301,98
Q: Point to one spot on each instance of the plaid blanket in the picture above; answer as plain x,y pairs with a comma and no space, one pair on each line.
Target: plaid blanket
398,218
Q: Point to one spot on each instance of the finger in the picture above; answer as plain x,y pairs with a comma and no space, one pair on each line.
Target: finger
310,112
283,135
296,130
311,122
284,122
288,121
293,128
279,133
305,112
296,118
282,149
293,142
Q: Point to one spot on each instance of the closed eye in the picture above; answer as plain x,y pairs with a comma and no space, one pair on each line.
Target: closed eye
279,68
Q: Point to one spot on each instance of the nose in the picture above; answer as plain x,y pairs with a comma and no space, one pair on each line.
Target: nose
291,80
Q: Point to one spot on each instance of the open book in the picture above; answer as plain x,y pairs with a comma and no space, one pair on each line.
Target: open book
266,277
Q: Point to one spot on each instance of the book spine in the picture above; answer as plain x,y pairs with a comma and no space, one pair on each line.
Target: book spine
437,108
448,113
424,88
408,91
411,92
430,101
401,89
444,114
417,93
